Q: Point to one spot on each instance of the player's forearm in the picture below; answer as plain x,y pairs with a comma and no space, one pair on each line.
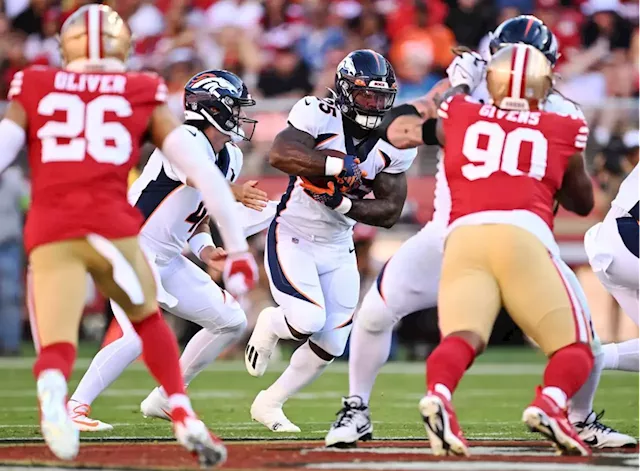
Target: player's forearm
293,152
380,213
203,227
294,158
13,139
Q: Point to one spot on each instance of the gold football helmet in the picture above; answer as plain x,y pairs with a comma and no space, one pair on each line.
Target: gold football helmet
519,77
94,32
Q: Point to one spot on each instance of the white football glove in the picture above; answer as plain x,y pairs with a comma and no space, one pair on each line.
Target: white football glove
466,69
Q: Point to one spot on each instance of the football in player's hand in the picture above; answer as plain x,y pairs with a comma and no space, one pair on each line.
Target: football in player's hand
322,181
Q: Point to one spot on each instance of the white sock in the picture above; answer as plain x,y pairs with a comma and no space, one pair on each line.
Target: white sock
442,389
181,400
279,324
557,394
368,352
106,366
622,356
582,403
304,368
610,351
204,348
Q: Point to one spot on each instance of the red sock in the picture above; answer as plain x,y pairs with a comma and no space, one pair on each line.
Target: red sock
569,368
448,362
57,356
160,353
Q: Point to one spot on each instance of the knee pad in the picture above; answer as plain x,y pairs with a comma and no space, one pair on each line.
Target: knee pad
332,341
374,315
307,320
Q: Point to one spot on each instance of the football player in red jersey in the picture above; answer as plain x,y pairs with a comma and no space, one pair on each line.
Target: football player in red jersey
506,163
83,126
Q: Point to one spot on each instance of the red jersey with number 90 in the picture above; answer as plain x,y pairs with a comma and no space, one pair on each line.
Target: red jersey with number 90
84,135
499,160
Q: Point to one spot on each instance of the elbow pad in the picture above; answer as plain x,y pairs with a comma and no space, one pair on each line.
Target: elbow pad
429,132
392,114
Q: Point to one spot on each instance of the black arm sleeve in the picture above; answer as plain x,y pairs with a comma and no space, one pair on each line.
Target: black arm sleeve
429,136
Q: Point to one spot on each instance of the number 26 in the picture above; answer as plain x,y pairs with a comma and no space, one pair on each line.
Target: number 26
90,119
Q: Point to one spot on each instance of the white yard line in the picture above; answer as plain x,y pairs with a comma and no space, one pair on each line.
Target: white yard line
401,368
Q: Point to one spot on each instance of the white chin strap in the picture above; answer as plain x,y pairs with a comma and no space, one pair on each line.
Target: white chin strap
368,122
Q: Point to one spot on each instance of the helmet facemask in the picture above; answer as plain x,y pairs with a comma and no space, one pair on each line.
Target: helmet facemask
365,104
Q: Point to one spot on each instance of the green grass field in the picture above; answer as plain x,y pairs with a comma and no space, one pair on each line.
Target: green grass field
489,402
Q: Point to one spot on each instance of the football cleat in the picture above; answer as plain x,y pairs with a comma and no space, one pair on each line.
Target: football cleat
352,424
156,405
270,414
79,413
261,345
59,432
193,435
597,435
441,424
545,416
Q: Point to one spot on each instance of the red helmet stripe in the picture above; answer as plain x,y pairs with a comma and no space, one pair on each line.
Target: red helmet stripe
523,88
100,43
529,25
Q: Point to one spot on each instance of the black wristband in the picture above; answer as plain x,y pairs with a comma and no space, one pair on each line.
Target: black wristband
429,132
392,114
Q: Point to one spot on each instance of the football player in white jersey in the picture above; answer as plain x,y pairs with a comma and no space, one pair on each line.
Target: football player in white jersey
409,280
174,214
310,256
612,247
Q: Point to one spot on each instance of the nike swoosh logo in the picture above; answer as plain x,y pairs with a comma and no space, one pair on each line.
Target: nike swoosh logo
352,250
363,428
306,102
191,132
166,411
593,441
87,422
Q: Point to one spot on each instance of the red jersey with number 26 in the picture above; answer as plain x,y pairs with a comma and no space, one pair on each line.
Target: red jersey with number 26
499,160
84,135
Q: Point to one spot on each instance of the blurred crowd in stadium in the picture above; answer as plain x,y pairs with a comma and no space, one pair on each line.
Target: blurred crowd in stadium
285,49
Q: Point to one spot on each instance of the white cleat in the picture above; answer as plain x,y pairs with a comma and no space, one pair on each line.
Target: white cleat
270,414
59,432
156,405
79,413
261,345
597,435
193,435
352,424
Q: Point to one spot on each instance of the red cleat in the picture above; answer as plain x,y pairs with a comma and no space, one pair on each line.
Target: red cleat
549,419
193,435
441,423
